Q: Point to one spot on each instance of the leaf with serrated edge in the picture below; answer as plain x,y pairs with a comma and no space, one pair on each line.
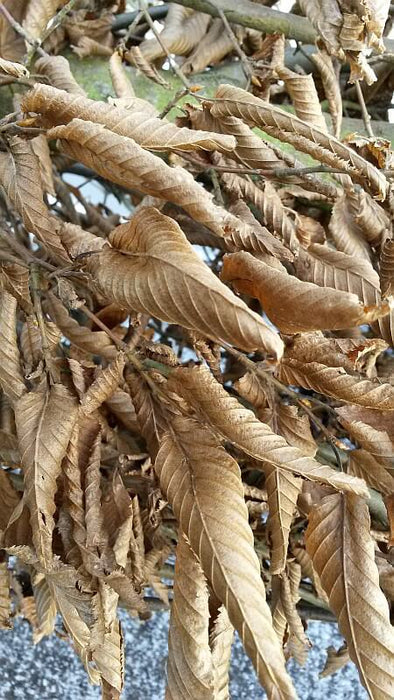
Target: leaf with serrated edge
11,379
160,274
240,426
342,550
189,667
222,539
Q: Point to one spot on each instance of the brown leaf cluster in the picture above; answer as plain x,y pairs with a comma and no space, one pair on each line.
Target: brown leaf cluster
209,376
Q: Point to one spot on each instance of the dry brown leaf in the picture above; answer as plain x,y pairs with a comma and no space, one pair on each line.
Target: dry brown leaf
11,378
164,277
44,421
189,668
293,305
220,640
90,47
283,489
365,466
149,412
232,101
15,279
214,46
183,29
335,382
91,342
21,180
332,89
45,607
371,431
12,45
38,14
120,80
137,59
5,597
387,268
342,550
58,107
336,659
40,147
368,215
57,70
303,93
15,69
346,234
240,426
225,550
104,385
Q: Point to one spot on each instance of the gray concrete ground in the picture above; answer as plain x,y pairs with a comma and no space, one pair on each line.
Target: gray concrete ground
51,669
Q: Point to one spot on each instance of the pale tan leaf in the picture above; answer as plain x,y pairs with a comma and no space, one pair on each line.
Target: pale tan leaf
297,643
21,180
294,305
164,277
335,382
11,378
278,218
214,46
307,570
220,640
336,659
233,101
12,46
368,215
387,268
57,70
120,80
31,342
342,551
283,489
137,59
244,232
41,149
15,69
90,47
371,429
5,597
15,279
45,607
123,161
365,466
121,405
38,14
73,472
332,89
221,537
44,422
183,29
250,388
347,235
104,385
109,654
295,428
149,412
77,241
305,99
92,342
9,499
240,426
189,667
58,107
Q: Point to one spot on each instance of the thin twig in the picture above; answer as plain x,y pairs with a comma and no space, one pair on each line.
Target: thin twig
274,172
242,56
178,96
171,61
364,111
58,19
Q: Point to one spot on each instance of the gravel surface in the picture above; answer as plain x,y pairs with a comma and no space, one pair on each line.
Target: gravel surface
51,669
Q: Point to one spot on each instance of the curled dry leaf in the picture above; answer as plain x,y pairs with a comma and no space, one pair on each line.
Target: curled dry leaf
303,93
44,421
104,385
332,89
387,268
215,45
336,659
240,426
142,274
21,180
183,30
294,305
190,667
232,101
120,80
5,597
57,70
137,59
365,466
226,553
12,68
38,14
11,379
57,107
335,382
339,524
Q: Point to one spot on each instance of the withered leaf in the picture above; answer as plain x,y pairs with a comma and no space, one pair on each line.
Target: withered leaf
240,426
223,543
339,525
161,275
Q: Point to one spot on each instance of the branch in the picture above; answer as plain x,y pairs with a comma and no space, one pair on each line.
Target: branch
249,14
